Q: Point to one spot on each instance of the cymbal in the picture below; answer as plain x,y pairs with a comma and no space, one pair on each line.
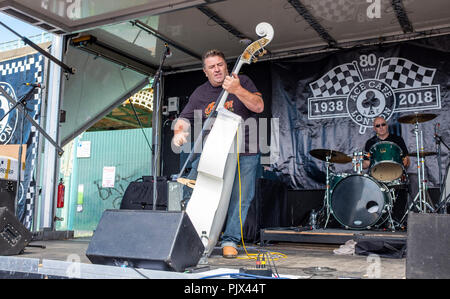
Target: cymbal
422,154
335,156
416,118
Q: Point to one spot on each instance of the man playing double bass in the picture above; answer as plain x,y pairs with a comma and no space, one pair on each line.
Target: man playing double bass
244,100
382,134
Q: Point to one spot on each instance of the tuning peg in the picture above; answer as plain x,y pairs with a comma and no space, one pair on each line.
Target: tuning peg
254,60
264,52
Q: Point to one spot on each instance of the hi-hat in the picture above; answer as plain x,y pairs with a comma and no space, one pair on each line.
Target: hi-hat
334,156
422,154
416,118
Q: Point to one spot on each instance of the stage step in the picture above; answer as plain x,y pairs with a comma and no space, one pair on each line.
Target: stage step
324,236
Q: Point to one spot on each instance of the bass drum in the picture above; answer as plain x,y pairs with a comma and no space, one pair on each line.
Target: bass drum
360,202
336,178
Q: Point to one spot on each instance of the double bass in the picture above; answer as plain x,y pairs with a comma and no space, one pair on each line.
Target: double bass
208,205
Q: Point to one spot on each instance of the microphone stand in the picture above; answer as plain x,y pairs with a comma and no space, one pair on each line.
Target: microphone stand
155,127
23,103
441,208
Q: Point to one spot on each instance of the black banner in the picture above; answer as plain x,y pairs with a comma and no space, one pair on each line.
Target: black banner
329,101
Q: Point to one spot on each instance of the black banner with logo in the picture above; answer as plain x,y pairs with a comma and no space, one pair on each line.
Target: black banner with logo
329,101
13,74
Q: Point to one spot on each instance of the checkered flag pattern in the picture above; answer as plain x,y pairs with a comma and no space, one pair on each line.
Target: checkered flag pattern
333,10
10,68
30,194
338,81
402,73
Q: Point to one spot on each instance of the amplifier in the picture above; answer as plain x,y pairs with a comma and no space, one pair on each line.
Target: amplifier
175,196
8,190
139,194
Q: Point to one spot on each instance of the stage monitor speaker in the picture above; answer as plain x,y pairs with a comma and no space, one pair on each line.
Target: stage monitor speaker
147,239
8,195
428,244
14,236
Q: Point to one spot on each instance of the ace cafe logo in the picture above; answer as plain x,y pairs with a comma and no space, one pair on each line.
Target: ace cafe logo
371,87
9,120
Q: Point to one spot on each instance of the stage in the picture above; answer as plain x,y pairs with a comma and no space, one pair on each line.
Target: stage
59,259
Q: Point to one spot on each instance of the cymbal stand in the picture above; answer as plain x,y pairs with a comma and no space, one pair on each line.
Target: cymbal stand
421,196
442,205
389,207
419,177
326,204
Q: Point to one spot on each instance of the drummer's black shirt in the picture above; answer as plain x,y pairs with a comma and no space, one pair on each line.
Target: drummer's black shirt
392,138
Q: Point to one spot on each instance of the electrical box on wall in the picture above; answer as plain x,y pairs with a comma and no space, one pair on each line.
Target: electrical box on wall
173,104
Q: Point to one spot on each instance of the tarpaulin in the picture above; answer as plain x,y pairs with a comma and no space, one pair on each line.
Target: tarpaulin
329,101
13,74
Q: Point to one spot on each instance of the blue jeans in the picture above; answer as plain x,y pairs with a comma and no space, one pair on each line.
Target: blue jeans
249,171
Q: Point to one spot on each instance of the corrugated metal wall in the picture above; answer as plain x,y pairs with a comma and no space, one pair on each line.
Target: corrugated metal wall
127,151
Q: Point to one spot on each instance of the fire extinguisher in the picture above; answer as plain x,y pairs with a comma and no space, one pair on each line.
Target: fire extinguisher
60,200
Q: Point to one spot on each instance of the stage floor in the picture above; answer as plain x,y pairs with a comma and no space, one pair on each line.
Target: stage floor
301,260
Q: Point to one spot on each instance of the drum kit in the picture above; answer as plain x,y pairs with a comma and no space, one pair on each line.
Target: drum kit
364,201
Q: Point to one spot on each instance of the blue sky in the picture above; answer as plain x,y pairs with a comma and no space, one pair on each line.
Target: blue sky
24,29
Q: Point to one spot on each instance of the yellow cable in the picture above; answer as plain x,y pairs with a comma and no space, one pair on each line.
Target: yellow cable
253,256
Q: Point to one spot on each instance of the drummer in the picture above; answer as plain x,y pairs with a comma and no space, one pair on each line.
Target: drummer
380,127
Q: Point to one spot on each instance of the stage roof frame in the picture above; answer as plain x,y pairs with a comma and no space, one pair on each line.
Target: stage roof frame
141,28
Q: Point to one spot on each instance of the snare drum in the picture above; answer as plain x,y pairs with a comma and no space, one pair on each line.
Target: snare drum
386,161
401,182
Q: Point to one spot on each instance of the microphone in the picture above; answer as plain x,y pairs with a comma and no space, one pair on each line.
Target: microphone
38,85
168,52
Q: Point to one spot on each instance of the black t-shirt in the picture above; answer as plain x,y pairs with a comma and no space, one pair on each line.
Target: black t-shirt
204,97
392,138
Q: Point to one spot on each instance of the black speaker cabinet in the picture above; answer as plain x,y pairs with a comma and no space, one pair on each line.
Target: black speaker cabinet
8,195
147,239
14,236
428,246
139,194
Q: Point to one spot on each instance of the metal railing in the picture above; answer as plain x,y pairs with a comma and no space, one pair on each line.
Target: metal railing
16,44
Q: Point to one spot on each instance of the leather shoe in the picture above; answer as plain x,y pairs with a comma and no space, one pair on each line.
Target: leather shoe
229,252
